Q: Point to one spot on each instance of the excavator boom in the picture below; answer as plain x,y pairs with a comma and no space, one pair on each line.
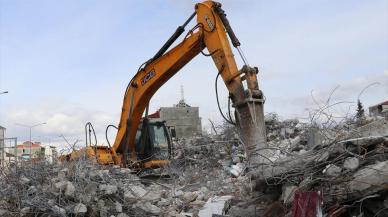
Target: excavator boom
211,33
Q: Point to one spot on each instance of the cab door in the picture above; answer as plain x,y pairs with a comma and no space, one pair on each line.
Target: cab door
152,141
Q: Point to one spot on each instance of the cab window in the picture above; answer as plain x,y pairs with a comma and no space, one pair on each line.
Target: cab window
160,141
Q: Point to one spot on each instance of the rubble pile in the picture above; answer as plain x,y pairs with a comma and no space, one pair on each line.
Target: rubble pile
285,136
84,188
278,130
348,168
213,167
339,171
80,188
208,156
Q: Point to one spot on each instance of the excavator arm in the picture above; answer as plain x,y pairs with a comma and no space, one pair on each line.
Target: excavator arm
211,33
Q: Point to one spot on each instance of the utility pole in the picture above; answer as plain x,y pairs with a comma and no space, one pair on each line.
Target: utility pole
30,127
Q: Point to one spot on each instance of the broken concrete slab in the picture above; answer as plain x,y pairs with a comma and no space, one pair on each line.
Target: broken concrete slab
370,179
189,197
215,205
134,192
378,128
285,165
364,141
315,138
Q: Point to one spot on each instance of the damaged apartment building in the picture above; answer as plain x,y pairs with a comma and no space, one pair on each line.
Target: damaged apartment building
182,119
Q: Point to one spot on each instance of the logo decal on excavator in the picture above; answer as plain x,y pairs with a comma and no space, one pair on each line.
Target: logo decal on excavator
209,23
148,77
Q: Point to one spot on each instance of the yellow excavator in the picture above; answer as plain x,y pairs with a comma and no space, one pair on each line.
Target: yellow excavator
143,143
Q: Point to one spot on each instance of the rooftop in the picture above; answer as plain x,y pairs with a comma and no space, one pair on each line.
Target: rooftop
382,103
27,144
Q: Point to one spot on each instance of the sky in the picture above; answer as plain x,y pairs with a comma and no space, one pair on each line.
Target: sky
68,62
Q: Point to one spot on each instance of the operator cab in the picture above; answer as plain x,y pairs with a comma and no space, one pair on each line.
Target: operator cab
153,141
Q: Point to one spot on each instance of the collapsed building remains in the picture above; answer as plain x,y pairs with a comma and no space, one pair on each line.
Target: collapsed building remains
342,173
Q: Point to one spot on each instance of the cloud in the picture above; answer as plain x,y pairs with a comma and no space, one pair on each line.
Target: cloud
88,54
66,120
373,89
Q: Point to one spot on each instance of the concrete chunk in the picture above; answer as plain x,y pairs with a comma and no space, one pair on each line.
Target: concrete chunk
364,141
332,170
189,197
59,211
376,128
214,205
25,211
370,179
91,188
24,180
60,185
80,209
70,189
148,207
119,207
65,187
134,192
108,189
351,163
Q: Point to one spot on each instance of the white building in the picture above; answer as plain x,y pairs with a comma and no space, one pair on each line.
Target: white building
50,153
380,109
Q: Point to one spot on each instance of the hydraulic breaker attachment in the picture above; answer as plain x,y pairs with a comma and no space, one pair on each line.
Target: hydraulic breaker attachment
249,114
